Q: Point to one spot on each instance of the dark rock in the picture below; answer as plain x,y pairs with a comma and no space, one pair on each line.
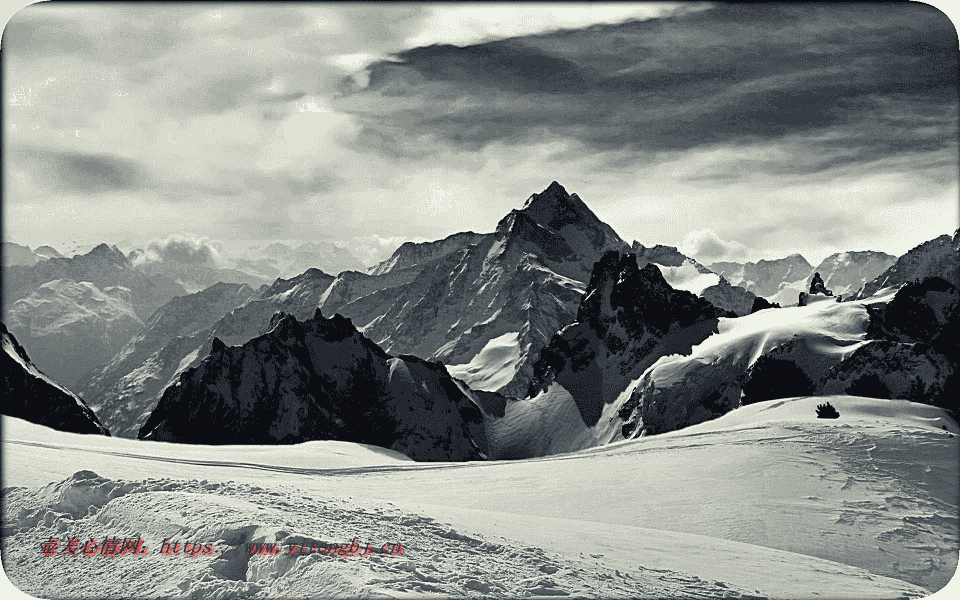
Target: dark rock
32,396
827,411
315,380
628,318
761,303
817,286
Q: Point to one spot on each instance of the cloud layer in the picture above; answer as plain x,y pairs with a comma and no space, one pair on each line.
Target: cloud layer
768,128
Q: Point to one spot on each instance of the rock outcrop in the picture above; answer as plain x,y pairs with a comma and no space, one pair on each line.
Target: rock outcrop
914,352
817,286
30,395
627,319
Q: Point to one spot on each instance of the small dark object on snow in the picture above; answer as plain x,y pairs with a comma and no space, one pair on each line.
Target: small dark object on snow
827,411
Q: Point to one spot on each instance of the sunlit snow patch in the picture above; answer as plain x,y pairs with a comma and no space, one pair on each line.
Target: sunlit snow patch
686,277
493,367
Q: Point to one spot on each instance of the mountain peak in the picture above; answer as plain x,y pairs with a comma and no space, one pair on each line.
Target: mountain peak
554,208
108,253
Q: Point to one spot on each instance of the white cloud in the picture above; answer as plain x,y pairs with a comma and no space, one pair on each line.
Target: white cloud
463,24
706,247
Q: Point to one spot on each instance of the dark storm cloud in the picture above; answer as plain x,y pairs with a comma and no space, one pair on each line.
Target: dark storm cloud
77,172
855,83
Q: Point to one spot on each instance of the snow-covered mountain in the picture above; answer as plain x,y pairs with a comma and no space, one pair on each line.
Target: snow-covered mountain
684,273
484,304
72,314
104,267
411,253
627,319
939,257
781,281
135,373
46,253
644,359
71,328
914,352
765,277
501,298
195,271
313,380
845,273
15,254
130,386
34,397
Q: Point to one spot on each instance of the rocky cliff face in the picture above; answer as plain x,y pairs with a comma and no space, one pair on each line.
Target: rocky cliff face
130,385
937,258
70,328
318,379
503,296
914,352
627,319
30,395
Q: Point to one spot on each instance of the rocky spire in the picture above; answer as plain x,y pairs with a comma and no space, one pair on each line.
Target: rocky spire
818,287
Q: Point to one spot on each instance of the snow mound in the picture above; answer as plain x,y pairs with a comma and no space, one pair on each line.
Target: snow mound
229,540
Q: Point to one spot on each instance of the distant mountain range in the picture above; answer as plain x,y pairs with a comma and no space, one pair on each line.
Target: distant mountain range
553,332
782,280
15,254
938,257
72,314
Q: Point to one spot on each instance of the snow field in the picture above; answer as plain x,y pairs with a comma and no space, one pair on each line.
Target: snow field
437,560
767,500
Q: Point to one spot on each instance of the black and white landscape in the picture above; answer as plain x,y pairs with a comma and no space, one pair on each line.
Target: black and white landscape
620,300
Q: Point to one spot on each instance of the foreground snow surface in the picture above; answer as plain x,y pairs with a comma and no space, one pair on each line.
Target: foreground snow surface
767,501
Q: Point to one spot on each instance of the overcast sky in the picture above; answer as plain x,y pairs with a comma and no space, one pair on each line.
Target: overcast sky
735,132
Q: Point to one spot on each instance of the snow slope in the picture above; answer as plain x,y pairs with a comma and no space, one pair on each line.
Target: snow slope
764,502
